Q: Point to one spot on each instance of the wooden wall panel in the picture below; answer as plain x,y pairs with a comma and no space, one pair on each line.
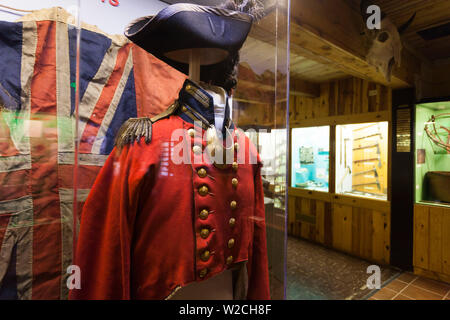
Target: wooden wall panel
351,96
320,221
341,224
421,236
446,243
432,241
435,236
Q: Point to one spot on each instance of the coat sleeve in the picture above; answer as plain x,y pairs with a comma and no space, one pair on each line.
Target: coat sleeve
258,272
106,229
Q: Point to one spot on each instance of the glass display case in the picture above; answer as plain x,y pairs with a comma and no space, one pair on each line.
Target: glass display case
432,154
69,80
361,159
274,170
310,158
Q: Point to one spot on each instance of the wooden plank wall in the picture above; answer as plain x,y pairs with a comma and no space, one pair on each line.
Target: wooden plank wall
357,226
340,101
432,241
360,227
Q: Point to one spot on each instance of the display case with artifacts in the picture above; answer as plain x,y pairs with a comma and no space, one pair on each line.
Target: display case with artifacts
310,158
432,172
361,159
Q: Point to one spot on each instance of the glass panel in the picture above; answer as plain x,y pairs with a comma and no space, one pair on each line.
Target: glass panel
311,158
37,145
69,80
261,108
131,83
433,153
361,159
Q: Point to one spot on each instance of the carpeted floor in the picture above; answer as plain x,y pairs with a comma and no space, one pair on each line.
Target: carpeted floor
318,273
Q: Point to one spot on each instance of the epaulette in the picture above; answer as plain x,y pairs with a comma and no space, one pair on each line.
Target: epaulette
136,128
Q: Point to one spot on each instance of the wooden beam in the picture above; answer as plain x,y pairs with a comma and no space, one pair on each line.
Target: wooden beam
298,87
330,32
344,119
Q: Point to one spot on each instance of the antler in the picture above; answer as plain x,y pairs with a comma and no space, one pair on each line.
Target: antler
406,25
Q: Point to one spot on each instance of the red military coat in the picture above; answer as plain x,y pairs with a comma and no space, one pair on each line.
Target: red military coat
151,226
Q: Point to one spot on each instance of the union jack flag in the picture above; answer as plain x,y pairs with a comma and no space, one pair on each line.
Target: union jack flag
37,93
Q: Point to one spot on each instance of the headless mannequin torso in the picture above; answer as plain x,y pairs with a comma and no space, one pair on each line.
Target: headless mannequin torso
219,287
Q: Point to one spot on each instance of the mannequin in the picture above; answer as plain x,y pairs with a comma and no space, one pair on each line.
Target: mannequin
219,287
161,229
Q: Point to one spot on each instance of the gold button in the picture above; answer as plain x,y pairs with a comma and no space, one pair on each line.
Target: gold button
203,190
202,173
234,182
236,146
233,204
197,149
230,260
191,132
232,222
204,214
188,87
203,273
231,243
205,255
184,109
204,233
235,166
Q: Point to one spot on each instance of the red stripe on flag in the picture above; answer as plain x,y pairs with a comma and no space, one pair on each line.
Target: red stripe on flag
7,147
157,84
86,174
15,184
44,173
4,221
94,123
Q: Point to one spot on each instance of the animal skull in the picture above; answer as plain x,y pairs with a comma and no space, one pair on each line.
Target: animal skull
384,45
386,49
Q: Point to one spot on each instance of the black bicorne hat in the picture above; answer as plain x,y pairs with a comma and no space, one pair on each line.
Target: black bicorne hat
180,27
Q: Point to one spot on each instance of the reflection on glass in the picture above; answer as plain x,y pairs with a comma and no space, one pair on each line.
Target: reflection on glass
310,158
361,159
433,152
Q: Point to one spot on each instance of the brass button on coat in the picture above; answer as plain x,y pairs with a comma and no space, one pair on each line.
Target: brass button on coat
202,173
191,133
235,166
184,109
232,222
236,146
233,205
204,214
197,149
205,255
203,191
234,182
203,273
230,260
204,233
231,243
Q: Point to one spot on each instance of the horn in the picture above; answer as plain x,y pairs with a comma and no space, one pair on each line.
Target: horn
363,7
405,26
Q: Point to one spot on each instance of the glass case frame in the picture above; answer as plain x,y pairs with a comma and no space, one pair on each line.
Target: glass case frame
59,132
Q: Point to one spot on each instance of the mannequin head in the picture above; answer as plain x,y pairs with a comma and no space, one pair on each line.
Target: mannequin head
216,34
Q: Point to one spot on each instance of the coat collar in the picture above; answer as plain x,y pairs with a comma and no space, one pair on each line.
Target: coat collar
198,105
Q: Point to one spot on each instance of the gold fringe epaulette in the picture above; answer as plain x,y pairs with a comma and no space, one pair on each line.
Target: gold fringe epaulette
136,128
133,130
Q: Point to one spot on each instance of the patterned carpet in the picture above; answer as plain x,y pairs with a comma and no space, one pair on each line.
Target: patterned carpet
318,273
